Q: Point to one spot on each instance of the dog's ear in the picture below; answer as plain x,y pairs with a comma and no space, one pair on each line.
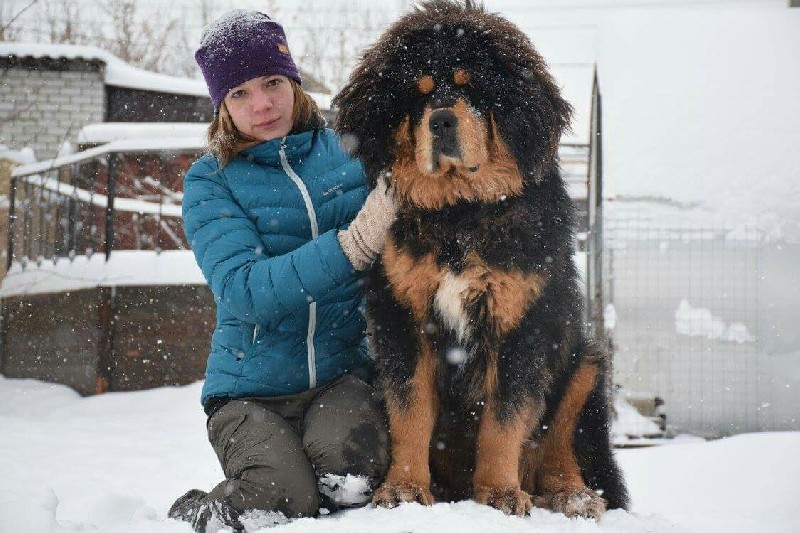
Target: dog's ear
368,112
530,112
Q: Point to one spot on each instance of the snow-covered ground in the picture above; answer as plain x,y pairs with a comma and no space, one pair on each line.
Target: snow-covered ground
115,463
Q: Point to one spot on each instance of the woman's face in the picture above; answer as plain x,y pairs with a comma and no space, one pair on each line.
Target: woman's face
262,107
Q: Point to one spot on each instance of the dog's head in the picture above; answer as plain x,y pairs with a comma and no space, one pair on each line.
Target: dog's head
453,103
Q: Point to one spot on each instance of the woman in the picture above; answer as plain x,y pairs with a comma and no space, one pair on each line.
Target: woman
277,219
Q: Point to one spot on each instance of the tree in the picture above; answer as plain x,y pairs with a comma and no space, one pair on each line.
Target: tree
10,12
141,41
63,22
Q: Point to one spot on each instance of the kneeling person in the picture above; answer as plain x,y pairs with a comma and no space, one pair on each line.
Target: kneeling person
280,222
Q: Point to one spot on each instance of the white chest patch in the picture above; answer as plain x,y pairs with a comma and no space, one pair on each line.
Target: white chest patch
449,302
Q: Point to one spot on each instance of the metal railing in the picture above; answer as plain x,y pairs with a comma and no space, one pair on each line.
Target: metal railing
120,195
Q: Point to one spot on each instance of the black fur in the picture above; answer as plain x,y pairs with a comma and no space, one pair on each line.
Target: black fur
531,233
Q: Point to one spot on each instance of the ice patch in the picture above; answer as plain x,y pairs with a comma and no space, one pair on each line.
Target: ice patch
346,490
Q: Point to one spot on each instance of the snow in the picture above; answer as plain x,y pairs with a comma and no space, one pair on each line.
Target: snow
120,74
116,462
575,82
123,268
228,26
699,322
113,131
347,490
20,157
130,205
160,144
117,72
630,427
708,118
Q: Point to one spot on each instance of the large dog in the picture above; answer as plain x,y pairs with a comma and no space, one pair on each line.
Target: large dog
493,390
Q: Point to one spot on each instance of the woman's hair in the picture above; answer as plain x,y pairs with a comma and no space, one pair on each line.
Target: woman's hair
225,141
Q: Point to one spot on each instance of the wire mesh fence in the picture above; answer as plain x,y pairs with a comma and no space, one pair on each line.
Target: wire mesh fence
682,305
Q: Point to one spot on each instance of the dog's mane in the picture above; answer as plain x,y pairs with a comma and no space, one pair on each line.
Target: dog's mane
378,94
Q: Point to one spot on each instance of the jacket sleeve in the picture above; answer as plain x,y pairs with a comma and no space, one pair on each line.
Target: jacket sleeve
228,248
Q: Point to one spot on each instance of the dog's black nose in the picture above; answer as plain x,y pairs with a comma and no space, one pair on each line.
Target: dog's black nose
443,124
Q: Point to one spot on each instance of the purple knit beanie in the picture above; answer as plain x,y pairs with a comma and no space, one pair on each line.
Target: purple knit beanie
240,46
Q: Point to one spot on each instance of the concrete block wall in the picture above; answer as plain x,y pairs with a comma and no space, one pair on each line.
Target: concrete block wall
43,104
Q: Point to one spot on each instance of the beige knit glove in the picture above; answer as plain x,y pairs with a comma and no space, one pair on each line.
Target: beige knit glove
364,239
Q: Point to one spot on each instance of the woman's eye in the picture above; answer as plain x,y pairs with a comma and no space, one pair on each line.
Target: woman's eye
237,94
274,82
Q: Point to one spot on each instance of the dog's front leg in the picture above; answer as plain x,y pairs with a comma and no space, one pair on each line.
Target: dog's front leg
559,482
412,416
497,470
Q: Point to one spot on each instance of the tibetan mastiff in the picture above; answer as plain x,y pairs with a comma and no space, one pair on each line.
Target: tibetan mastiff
492,389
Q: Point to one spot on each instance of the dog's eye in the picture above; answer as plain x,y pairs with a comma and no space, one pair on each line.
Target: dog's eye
461,76
425,84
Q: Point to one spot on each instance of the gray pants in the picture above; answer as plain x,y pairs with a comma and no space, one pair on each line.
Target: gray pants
274,450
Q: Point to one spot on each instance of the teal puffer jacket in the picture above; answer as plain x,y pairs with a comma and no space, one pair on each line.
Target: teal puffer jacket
263,230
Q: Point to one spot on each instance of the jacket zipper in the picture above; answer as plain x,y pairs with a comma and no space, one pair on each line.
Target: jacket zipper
312,308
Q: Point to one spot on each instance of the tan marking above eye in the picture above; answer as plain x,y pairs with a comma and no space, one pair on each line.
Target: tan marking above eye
461,76
425,84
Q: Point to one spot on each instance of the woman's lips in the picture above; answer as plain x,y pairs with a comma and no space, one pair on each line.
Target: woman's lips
267,123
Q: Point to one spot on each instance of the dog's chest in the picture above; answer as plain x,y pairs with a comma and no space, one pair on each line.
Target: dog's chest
450,303
477,301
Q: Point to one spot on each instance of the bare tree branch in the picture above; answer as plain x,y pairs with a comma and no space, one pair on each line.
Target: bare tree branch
4,29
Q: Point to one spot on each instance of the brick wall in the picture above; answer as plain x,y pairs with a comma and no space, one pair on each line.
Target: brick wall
44,102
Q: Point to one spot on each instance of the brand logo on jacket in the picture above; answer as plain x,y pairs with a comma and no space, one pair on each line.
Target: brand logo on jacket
336,188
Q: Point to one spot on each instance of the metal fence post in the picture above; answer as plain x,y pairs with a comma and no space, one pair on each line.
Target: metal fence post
110,190
594,240
11,223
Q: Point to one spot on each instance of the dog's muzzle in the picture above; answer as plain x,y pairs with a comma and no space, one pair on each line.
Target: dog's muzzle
443,124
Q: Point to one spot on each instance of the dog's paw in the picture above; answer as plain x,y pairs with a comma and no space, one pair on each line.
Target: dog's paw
510,500
391,494
584,503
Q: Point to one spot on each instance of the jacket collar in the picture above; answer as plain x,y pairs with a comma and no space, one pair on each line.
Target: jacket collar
296,146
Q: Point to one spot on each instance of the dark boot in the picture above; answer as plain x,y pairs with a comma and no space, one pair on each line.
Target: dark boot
205,516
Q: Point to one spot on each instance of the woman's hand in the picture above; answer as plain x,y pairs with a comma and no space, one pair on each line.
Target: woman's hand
363,241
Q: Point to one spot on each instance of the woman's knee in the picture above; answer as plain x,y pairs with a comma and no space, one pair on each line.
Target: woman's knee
293,495
263,460
345,431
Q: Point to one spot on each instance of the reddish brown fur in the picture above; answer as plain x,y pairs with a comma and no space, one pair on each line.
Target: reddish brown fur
510,294
414,184
413,280
425,84
409,476
552,467
461,76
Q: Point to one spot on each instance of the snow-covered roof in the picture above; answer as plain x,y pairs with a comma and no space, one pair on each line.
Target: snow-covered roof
114,131
119,73
21,157
123,268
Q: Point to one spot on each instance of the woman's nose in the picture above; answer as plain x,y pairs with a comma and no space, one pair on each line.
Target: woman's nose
262,101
